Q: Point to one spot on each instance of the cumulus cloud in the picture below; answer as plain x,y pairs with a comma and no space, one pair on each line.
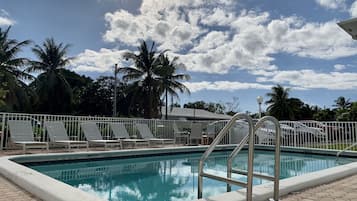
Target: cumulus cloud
5,19
224,85
245,39
101,61
339,67
332,4
213,37
353,9
310,79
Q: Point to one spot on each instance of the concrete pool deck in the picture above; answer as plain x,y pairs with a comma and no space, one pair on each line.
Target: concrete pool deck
343,189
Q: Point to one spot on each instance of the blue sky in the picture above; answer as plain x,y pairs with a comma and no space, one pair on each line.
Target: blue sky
231,48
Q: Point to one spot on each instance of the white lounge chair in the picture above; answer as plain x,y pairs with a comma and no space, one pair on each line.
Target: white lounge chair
21,133
92,134
145,133
120,133
196,133
181,135
58,135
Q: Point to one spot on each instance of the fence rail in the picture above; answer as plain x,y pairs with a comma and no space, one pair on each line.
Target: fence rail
310,134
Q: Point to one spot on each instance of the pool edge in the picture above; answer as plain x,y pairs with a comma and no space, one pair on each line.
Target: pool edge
33,181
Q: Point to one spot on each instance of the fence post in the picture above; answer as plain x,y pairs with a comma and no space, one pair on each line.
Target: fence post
295,136
2,131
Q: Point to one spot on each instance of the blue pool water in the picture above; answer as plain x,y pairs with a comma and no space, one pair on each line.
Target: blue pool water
173,177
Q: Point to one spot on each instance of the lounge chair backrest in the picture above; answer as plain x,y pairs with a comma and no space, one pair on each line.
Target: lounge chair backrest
211,130
176,130
144,131
21,131
56,131
91,131
196,131
119,131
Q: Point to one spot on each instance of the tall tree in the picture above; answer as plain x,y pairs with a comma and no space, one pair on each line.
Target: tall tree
169,80
280,105
143,76
342,103
11,74
54,92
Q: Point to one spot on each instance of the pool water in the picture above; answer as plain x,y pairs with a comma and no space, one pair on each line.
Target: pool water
173,177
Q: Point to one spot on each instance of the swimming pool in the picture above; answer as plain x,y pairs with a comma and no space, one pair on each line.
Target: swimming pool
172,177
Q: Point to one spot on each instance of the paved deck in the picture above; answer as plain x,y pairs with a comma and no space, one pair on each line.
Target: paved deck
10,191
341,190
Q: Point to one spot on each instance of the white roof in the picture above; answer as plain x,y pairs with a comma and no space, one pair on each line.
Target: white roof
190,113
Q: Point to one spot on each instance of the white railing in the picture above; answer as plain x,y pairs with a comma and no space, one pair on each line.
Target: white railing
160,128
310,134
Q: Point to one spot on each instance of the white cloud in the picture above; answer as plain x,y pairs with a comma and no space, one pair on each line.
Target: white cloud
247,39
5,20
213,37
339,67
353,9
332,4
309,79
224,85
101,61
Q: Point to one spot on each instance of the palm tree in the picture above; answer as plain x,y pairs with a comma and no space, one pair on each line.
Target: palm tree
342,103
169,80
143,76
11,75
280,105
55,94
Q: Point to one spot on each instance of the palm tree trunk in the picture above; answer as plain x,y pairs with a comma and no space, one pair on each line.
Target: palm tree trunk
166,104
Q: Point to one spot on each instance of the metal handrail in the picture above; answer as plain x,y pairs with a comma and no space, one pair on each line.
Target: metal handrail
215,142
345,149
277,151
250,173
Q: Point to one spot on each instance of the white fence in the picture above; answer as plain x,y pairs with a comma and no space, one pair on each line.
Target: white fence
160,128
311,134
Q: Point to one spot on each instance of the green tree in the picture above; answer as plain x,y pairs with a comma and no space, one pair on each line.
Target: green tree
78,84
325,115
211,107
342,103
143,77
280,105
54,92
12,76
169,80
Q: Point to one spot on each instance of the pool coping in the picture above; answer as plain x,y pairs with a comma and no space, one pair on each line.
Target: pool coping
47,188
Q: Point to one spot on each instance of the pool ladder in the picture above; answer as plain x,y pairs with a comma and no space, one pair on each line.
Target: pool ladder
345,149
249,173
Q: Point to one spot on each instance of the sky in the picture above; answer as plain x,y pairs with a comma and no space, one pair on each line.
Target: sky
231,48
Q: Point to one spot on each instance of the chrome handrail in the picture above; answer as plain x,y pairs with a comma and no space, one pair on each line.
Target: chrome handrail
249,173
277,151
215,142
345,149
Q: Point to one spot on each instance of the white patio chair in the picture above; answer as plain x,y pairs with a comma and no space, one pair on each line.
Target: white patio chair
196,133
58,135
92,134
180,134
120,133
145,133
21,133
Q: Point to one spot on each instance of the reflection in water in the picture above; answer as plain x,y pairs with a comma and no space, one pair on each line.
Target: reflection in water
173,177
